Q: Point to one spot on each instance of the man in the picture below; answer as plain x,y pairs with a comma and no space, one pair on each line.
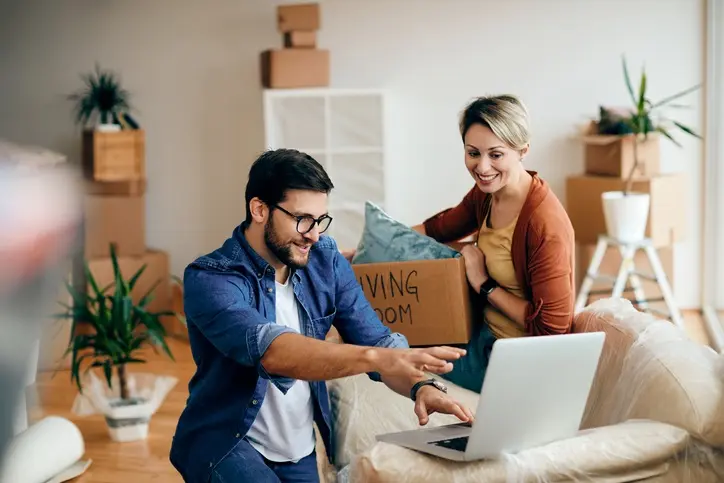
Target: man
258,310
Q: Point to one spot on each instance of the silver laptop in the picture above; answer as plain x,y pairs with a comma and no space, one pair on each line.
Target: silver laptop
534,392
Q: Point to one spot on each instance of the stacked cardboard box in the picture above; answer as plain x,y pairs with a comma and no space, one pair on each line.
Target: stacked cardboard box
608,162
299,63
115,213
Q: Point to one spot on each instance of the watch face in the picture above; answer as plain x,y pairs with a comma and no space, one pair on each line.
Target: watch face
440,386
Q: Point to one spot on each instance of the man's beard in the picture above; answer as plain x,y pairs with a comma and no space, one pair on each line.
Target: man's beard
282,251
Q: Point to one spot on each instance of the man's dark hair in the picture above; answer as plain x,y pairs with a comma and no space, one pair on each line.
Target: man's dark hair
277,171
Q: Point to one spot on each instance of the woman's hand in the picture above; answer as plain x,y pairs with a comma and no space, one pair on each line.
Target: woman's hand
475,268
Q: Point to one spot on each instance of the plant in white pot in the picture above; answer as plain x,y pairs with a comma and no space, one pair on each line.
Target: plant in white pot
102,94
109,329
626,212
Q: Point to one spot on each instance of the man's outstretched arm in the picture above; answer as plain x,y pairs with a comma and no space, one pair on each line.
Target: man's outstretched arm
305,358
219,307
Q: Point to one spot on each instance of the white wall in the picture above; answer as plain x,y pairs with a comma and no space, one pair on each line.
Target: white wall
718,229
192,67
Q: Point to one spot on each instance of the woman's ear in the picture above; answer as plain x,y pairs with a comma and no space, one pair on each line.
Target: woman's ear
524,151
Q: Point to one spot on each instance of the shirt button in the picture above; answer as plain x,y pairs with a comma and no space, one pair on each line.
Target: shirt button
255,402
259,274
270,290
238,435
211,464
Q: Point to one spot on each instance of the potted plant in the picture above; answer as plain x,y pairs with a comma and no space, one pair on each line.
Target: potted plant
102,93
114,330
626,212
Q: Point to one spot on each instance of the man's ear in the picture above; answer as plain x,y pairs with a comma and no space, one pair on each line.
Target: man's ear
259,210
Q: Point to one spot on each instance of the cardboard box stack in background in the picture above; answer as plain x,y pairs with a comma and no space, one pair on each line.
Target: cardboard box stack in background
608,162
299,63
115,213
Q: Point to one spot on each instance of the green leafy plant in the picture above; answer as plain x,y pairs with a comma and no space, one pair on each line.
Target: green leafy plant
644,118
102,92
118,327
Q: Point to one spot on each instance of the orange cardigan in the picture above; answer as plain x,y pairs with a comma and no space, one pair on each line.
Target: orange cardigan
542,250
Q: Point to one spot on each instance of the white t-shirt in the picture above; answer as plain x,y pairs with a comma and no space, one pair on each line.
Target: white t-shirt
283,429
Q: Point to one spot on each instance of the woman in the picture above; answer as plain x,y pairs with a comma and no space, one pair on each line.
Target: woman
522,261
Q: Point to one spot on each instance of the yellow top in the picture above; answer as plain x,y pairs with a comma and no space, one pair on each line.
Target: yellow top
496,245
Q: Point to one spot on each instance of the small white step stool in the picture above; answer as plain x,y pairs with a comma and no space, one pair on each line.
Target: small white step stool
627,273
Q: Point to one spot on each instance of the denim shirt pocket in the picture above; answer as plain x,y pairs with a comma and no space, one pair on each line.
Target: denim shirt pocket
321,325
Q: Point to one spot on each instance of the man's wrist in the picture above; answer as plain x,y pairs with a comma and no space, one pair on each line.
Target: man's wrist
370,359
420,386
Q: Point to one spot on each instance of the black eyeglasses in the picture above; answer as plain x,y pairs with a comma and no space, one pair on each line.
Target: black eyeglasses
305,223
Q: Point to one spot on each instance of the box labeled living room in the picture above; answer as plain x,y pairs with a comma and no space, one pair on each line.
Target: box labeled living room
428,301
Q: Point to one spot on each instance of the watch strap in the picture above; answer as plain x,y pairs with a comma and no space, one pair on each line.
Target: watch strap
488,286
427,382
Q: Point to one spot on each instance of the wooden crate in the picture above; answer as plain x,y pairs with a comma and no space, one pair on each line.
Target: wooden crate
114,156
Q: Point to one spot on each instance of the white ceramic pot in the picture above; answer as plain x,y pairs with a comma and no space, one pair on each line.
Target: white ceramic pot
129,420
626,215
108,128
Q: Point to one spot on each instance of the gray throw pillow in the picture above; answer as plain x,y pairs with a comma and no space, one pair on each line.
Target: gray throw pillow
387,240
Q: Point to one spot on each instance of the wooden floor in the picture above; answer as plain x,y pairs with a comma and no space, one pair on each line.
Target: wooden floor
134,462
147,461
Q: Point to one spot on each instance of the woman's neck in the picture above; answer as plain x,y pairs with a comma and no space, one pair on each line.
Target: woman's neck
516,189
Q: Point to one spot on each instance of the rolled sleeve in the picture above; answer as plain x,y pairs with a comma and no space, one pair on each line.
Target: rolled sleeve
218,305
259,341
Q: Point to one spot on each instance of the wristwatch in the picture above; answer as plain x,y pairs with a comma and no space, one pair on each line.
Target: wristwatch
428,382
487,287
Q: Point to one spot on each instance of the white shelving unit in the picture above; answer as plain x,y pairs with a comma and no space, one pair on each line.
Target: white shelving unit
343,130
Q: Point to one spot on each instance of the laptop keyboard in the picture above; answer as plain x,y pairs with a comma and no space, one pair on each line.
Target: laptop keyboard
457,444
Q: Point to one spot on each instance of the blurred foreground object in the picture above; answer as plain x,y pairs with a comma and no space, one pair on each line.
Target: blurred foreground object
49,451
40,219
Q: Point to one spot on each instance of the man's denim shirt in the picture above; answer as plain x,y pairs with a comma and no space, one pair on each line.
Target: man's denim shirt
229,304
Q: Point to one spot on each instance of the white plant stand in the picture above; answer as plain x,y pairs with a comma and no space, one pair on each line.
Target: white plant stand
627,273
344,130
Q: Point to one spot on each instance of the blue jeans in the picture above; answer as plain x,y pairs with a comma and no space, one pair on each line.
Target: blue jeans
244,464
469,371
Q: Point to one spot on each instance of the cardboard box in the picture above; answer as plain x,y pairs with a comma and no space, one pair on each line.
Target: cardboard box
610,265
302,16
614,155
300,39
292,68
157,270
429,301
116,188
120,220
667,221
114,156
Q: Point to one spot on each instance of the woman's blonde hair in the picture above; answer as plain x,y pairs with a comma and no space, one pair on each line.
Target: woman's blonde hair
505,115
